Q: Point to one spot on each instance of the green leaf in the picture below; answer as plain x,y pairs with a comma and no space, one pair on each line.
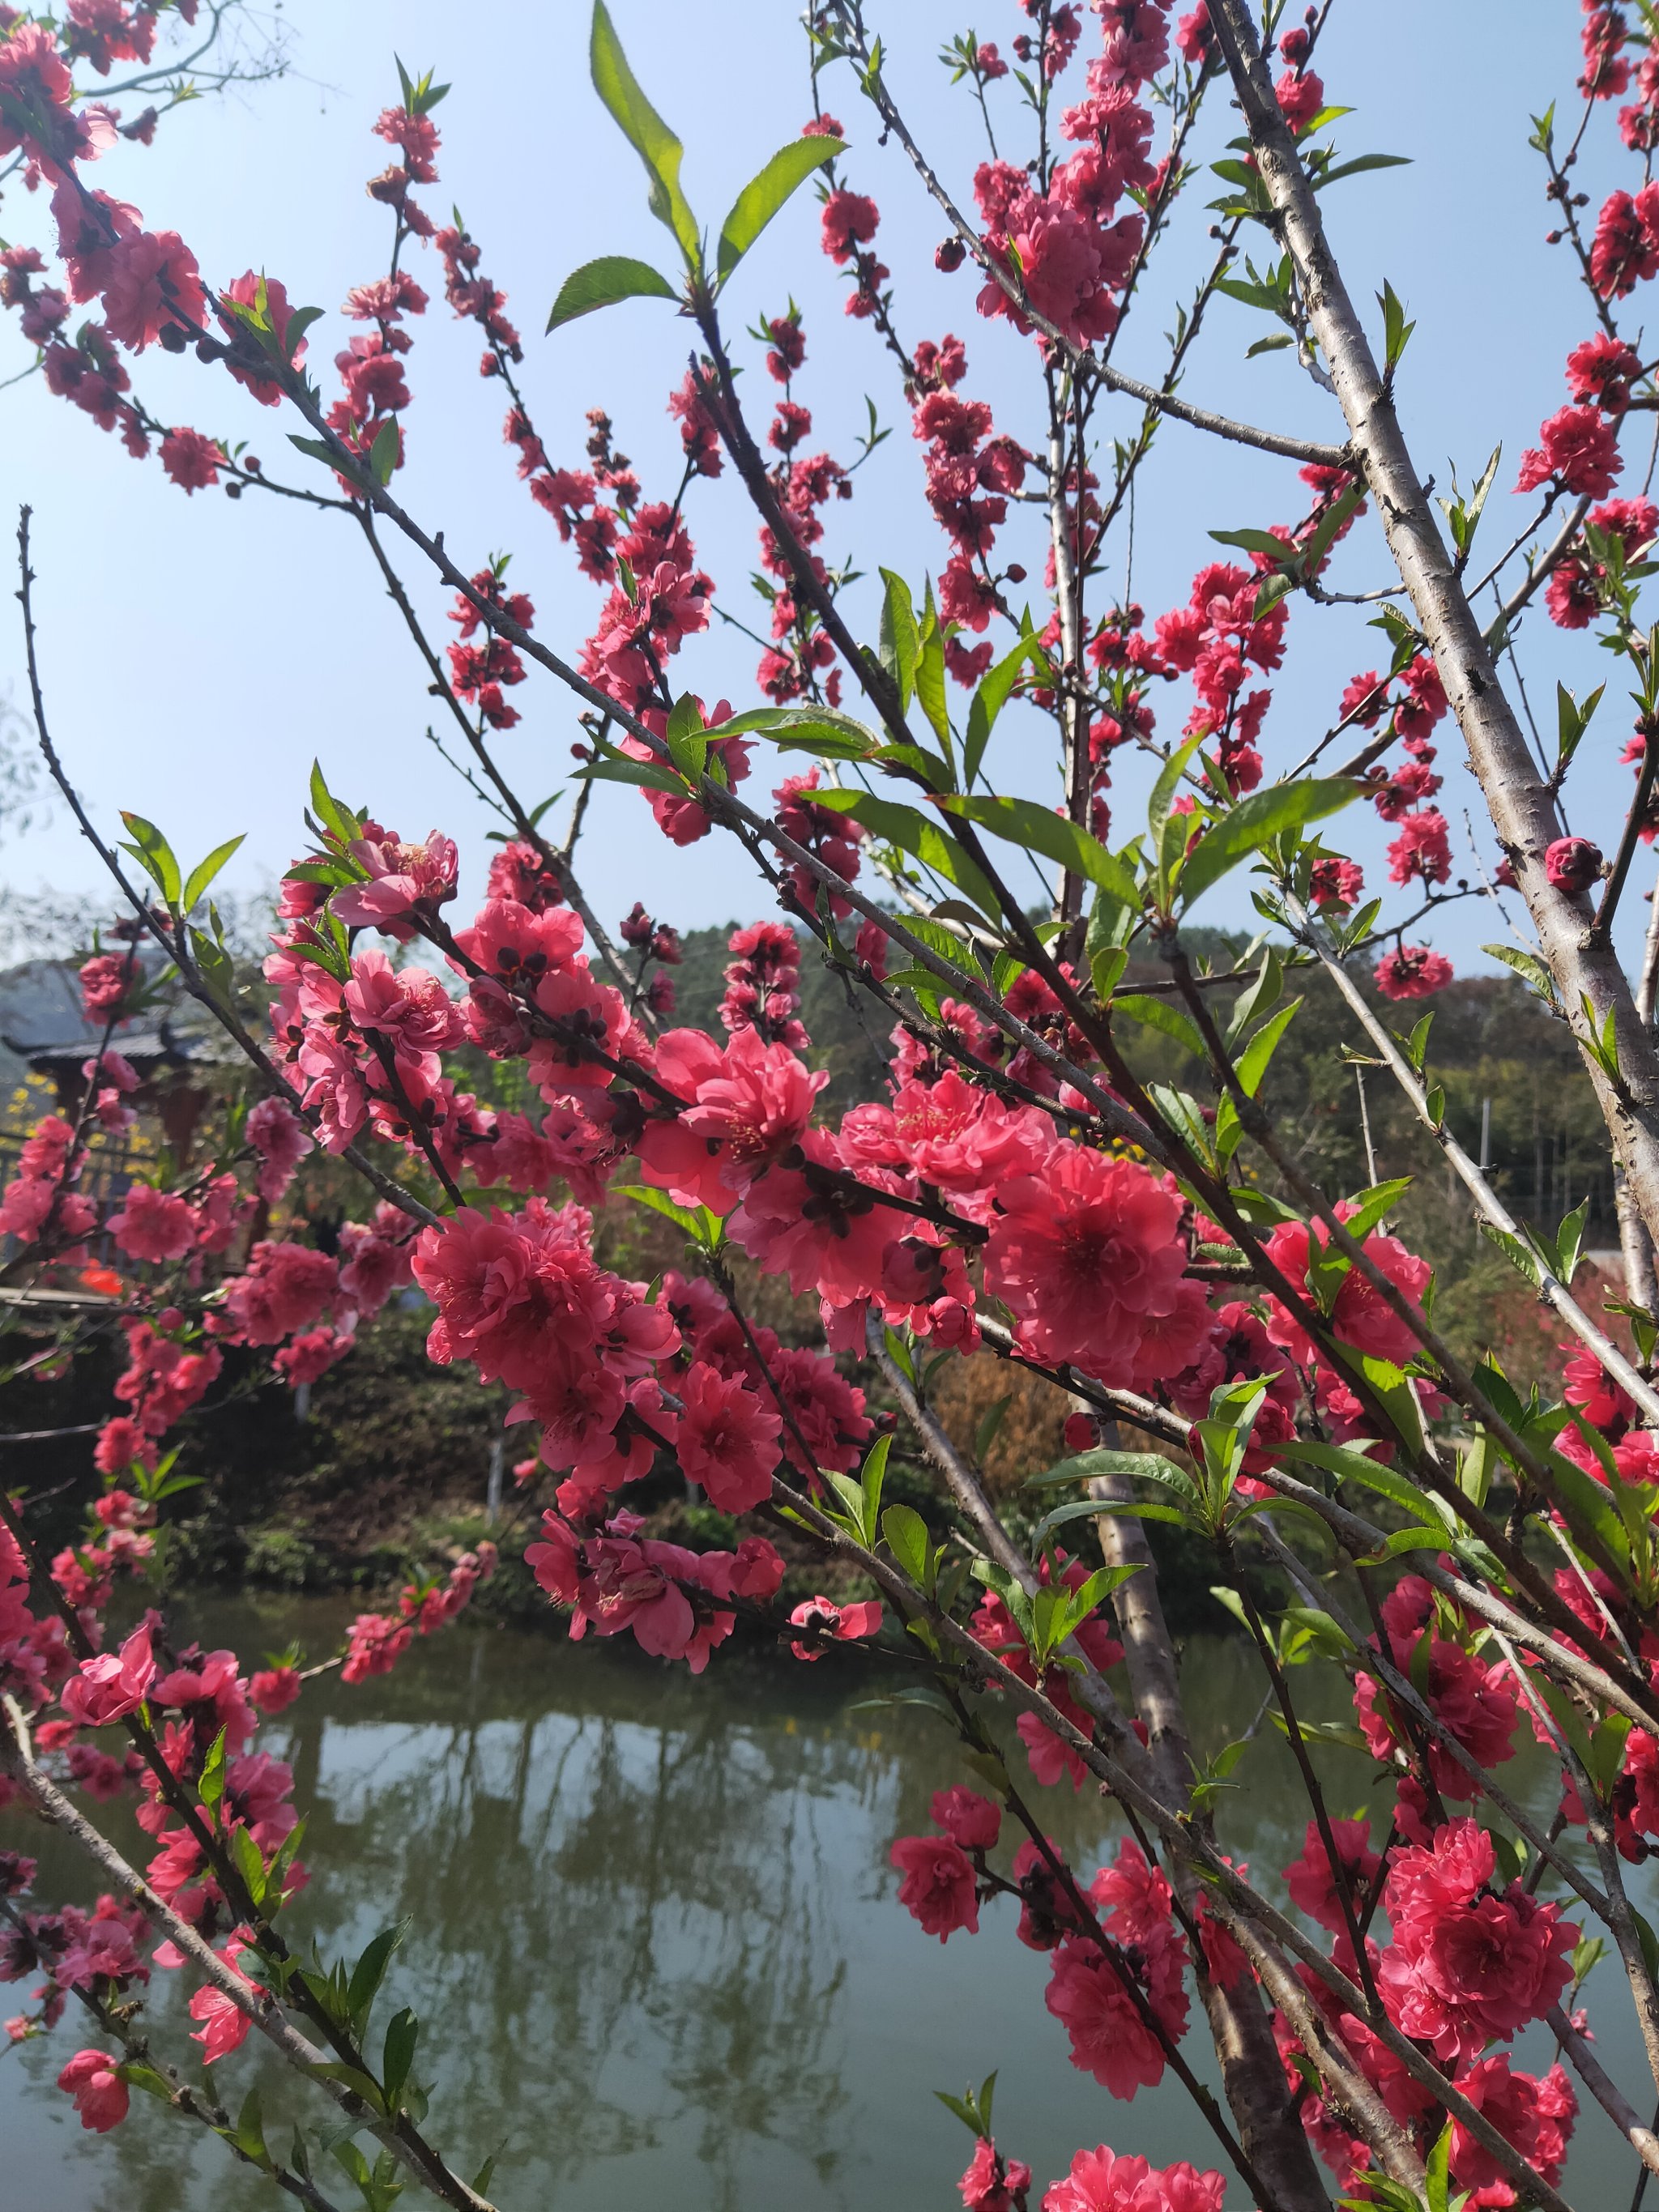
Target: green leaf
1359,166
696,1221
907,1538
1276,341
986,1435
276,1874
871,1475
339,820
299,322
347,2154
1371,1205
1253,1062
1084,1509
602,282
1245,828
154,853
929,678
1347,1464
1159,1014
1023,822
249,2133
1084,1466
947,943
1334,1732
402,2033
963,2110
1258,998
804,729
383,453
1603,1042
1161,802
212,1787
1304,1627
1464,515
1515,1248
1396,331
1589,1507
764,194
1186,1115
915,833
1438,2173
370,1969
419,96
617,768
684,736
988,702
317,451
645,131
1106,966
900,641
1257,541
139,2076
1105,946
1572,721
1529,967
1424,1538
1606,1747
201,877
250,1864
1336,515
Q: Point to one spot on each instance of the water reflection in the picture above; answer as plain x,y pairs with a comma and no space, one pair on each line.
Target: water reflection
654,1940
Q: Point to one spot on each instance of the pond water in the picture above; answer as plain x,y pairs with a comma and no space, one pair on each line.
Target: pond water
656,1945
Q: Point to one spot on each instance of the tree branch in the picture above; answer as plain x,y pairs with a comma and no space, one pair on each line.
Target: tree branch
1523,808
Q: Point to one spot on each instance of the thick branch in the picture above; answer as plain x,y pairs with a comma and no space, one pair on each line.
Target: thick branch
1523,808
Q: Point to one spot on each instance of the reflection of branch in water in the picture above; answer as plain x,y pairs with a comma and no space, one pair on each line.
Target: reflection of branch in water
684,1897
554,1804
637,1895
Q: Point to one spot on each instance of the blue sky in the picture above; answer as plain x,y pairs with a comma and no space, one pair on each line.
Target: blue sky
199,652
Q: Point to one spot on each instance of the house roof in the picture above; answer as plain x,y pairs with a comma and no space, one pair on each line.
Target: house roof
43,1021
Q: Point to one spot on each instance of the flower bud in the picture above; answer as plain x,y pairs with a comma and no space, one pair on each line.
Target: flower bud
1572,865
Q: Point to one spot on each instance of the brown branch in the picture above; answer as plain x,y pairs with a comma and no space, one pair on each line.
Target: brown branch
1523,808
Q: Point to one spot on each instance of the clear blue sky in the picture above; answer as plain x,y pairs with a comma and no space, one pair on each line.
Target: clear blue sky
199,652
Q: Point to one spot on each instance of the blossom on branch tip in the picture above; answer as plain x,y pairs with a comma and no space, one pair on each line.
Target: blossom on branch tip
846,1624
727,1440
108,981
1412,971
1108,2181
1578,450
1085,1255
153,1225
991,2183
224,2025
1625,249
939,1889
100,2093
